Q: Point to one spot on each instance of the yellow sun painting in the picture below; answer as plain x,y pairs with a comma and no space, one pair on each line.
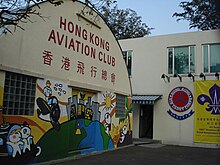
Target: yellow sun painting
109,100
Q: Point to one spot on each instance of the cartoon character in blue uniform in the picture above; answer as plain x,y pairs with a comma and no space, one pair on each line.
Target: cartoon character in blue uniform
14,142
49,109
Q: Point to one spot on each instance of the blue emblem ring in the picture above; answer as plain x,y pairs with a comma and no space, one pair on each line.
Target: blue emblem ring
180,99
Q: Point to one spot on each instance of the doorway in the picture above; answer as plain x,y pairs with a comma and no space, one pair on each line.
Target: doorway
146,121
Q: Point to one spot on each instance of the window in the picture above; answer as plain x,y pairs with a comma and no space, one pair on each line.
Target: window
181,60
120,106
19,94
127,55
211,58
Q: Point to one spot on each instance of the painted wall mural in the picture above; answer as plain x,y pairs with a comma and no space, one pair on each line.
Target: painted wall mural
17,145
207,112
49,109
2,77
107,109
66,122
180,100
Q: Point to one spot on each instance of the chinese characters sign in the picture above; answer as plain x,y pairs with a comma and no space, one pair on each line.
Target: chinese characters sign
86,53
67,65
207,112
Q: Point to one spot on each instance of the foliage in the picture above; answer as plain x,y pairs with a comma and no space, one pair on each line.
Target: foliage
124,23
201,14
14,11
98,4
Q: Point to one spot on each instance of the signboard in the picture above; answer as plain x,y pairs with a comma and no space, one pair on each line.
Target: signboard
180,100
74,44
207,111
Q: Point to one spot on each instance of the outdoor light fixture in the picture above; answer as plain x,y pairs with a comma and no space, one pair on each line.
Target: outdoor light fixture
163,76
202,76
217,75
176,75
191,76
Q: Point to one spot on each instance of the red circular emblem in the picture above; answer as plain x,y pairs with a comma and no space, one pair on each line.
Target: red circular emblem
180,99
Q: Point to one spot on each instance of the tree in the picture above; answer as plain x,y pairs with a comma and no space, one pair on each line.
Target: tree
99,4
201,14
14,11
124,23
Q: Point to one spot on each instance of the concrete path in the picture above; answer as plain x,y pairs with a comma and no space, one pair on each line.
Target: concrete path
148,154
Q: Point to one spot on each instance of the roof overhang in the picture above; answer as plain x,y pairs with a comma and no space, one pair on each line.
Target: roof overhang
145,99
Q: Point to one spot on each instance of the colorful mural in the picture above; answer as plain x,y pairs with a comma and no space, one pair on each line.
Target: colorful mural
67,96
107,109
207,111
2,77
66,122
16,144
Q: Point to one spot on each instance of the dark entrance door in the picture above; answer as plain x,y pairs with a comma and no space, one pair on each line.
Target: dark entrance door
146,121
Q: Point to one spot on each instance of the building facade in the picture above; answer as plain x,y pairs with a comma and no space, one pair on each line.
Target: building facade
175,87
64,87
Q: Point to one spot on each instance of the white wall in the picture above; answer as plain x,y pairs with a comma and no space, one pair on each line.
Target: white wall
24,50
150,57
166,128
136,121
149,63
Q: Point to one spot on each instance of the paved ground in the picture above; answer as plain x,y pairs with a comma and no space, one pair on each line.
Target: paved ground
149,154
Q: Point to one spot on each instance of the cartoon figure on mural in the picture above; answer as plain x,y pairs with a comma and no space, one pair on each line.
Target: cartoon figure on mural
14,141
106,110
27,139
119,133
107,123
49,109
123,132
20,141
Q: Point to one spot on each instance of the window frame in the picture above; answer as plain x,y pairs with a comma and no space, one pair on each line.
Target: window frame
189,47
120,106
127,60
19,94
208,57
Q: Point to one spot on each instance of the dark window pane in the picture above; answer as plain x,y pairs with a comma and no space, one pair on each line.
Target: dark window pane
18,94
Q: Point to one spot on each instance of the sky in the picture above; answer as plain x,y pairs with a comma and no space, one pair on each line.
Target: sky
157,14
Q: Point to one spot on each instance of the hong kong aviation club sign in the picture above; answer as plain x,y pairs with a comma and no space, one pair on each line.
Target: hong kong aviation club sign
180,100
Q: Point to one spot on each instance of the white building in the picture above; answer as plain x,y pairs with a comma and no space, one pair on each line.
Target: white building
168,104
64,87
